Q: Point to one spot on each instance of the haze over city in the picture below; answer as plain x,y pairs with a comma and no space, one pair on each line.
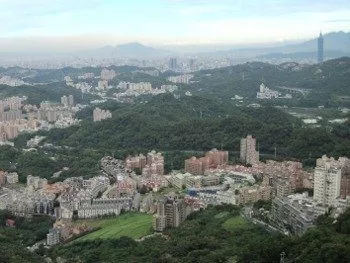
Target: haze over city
174,131
64,25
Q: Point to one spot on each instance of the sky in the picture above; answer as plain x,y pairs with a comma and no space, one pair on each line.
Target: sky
83,24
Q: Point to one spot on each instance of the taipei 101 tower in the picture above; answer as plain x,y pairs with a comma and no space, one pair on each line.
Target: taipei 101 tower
320,49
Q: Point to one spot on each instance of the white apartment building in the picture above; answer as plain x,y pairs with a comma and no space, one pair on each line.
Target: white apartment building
266,93
12,178
327,178
99,114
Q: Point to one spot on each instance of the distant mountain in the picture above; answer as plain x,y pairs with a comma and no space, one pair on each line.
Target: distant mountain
130,50
334,41
336,44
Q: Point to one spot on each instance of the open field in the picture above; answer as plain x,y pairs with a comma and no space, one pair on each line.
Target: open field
134,225
235,223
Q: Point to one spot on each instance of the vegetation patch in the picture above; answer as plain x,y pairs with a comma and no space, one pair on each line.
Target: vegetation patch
222,214
133,225
235,223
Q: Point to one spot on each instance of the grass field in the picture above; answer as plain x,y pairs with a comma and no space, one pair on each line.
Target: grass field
134,225
235,223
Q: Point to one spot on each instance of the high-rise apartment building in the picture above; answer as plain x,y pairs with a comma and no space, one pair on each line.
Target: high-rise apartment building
70,100
320,51
248,153
171,212
2,178
327,179
345,180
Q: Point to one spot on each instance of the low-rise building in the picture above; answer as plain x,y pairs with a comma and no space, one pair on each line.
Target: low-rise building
99,207
295,213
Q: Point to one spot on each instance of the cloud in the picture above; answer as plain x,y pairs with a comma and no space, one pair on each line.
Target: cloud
164,21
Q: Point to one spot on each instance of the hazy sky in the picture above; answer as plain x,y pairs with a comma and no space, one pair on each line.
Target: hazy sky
76,24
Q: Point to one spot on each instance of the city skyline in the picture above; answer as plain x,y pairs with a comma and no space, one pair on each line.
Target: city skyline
66,26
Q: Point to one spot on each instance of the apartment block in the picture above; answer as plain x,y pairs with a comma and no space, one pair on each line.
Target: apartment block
36,182
2,178
211,160
53,237
253,194
248,152
153,164
133,162
171,212
99,114
12,178
295,213
345,181
327,179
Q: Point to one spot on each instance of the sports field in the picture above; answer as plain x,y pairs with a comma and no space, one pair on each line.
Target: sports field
134,225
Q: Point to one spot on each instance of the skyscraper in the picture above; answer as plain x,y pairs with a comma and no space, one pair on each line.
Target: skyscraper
320,49
172,63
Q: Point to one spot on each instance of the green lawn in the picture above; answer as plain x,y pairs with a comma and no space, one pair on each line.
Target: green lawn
235,223
134,225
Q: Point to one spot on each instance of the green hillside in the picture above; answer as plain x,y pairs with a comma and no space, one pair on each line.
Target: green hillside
133,225
218,234
326,82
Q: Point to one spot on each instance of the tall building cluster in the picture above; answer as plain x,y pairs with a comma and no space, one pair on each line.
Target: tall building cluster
8,178
11,118
173,64
67,101
248,153
52,112
211,160
107,74
153,164
298,212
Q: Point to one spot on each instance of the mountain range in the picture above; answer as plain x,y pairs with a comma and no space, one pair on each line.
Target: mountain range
336,44
130,50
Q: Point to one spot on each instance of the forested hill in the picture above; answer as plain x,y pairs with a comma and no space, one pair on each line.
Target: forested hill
47,92
57,75
197,123
188,123
218,234
326,81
